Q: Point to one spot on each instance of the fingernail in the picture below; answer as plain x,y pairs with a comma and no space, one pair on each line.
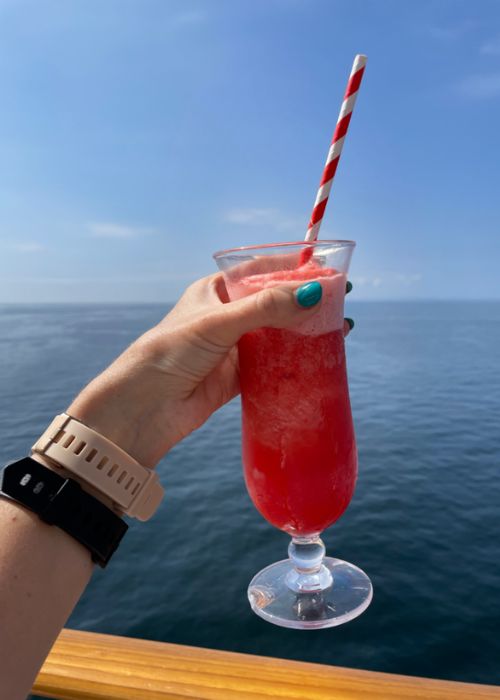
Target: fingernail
348,287
309,294
350,322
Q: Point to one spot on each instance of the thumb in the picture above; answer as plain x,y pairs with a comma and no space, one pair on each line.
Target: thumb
275,307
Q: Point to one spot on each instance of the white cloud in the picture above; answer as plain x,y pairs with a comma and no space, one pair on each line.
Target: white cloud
387,279
118,231
366,280
27,247
452,32
268,218
247,216
480,87
408,279
491,48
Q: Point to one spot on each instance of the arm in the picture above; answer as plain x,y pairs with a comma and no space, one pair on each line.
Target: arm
162,388
43,572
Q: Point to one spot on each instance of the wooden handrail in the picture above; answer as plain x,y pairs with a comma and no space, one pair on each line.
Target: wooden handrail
90,666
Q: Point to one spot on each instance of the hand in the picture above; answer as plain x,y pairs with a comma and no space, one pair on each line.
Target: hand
167,383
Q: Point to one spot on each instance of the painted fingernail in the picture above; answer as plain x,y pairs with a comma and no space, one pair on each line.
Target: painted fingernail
350,322
348,287
309,294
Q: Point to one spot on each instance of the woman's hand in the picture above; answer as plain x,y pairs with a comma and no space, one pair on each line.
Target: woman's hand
167,383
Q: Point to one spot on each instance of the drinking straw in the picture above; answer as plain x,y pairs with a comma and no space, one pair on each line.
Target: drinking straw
358,68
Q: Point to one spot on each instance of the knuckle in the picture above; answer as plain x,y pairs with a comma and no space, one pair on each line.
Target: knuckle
196,286
203,326
209,331
267,303
200,286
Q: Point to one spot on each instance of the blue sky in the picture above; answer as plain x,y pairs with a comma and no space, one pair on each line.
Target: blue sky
137,137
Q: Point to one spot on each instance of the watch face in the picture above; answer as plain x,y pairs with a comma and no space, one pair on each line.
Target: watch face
29,482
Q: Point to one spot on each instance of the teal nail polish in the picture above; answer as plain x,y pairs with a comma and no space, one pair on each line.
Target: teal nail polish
348,287
350,322
309,294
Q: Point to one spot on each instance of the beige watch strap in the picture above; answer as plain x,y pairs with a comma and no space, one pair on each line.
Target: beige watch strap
134,489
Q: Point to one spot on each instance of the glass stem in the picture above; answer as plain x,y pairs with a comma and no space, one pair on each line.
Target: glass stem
308,575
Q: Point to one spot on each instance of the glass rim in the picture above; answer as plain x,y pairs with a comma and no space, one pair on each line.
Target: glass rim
337,243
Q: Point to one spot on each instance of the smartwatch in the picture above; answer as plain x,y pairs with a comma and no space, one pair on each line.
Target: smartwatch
76,447
62,502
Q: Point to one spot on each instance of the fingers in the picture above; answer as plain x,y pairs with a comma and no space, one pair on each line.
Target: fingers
224,323
348,326
348,322
200,297
275,307
308,295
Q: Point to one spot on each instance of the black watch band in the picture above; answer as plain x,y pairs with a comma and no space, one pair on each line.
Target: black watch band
62,502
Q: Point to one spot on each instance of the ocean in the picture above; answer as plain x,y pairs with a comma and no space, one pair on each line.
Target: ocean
424,522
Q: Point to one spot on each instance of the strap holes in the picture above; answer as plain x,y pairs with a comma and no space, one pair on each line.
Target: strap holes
91,455
79,447
68,442
113,469
103,463
129,483
59,436
121,477
135,489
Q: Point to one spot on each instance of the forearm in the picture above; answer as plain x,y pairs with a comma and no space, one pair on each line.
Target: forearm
43,572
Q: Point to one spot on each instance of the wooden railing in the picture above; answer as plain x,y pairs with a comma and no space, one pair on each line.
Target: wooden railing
89,666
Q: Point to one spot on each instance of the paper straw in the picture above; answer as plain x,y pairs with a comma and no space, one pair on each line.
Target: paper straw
358,68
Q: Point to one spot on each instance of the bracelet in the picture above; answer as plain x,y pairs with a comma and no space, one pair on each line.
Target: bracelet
62,502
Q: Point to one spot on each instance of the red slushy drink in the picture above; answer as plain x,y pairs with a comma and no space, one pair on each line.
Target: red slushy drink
299,450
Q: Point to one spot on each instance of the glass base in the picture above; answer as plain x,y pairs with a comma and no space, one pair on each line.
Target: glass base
272,597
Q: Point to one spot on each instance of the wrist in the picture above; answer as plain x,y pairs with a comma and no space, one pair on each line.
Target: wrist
127,405
115,410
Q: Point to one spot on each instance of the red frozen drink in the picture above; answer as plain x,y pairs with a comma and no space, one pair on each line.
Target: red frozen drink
299,451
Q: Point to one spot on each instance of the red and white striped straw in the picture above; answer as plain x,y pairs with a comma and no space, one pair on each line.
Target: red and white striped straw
358,68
